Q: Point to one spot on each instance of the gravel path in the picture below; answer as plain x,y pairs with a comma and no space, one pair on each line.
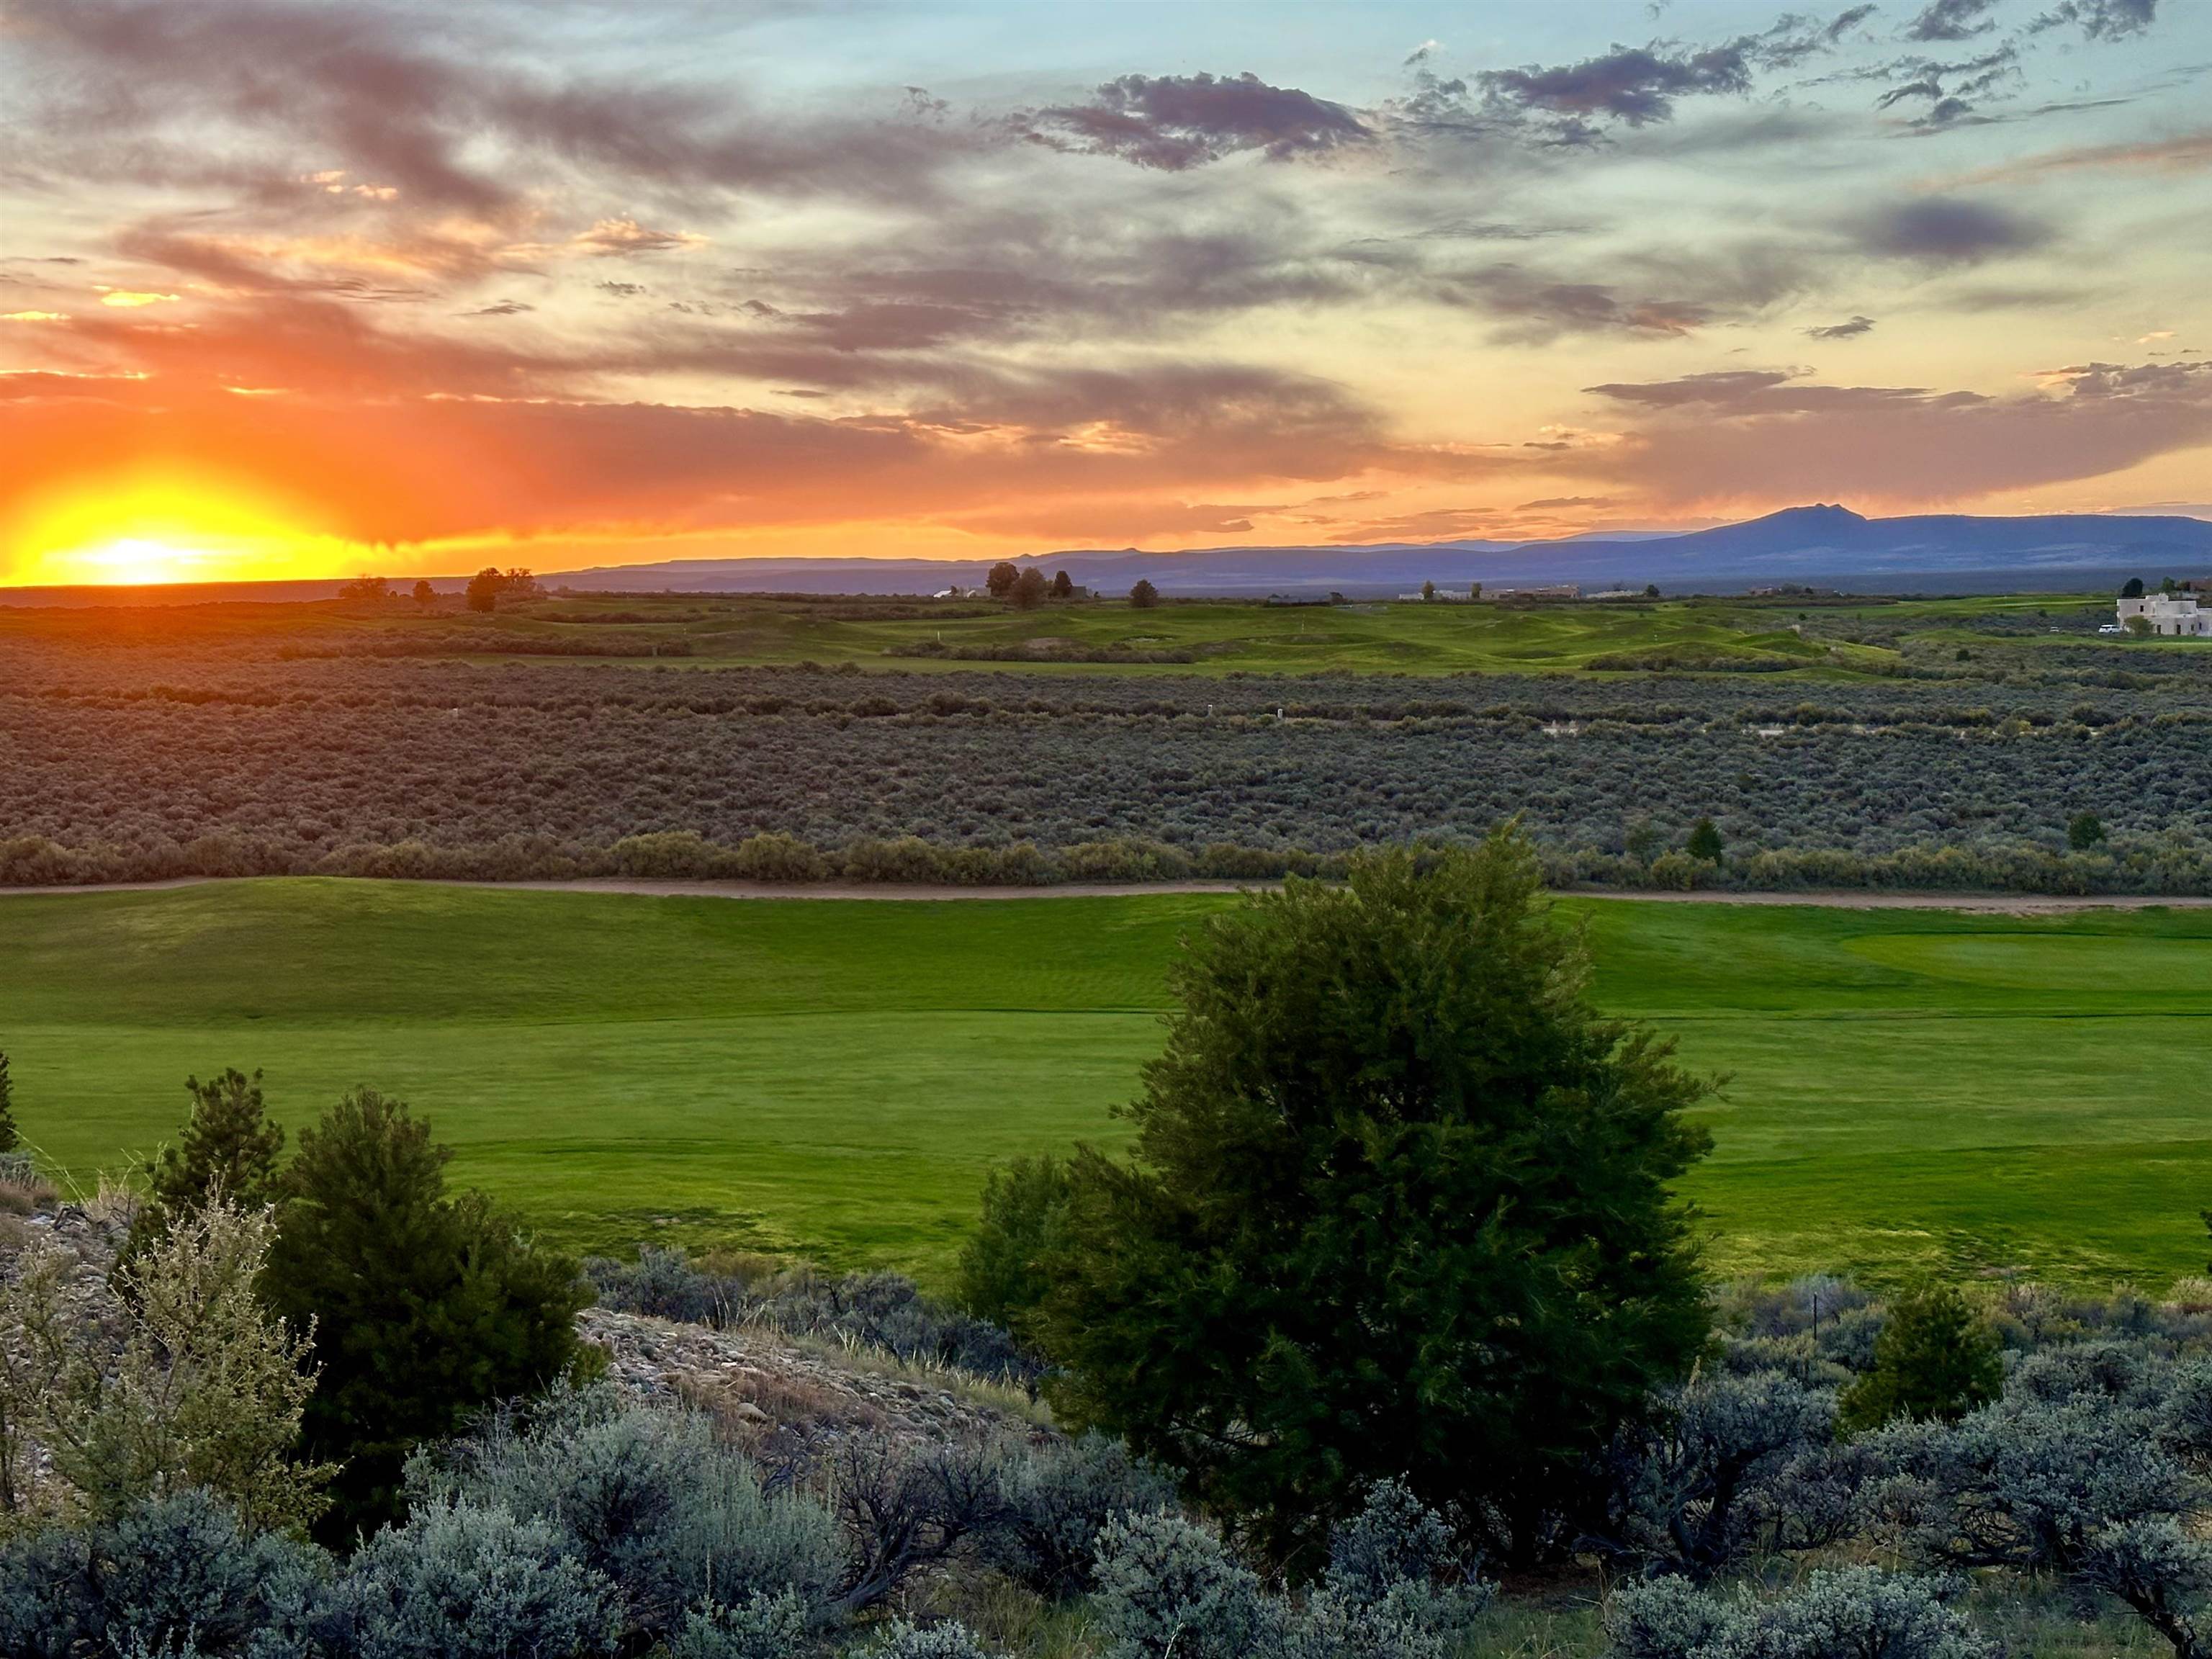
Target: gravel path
2024,905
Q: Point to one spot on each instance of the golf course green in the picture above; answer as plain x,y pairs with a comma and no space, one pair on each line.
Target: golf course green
1910,1090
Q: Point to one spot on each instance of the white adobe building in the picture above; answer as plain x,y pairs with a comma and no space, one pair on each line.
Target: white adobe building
2171,614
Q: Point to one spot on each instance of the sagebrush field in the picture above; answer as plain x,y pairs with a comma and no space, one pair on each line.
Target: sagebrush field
1909,1088
246,740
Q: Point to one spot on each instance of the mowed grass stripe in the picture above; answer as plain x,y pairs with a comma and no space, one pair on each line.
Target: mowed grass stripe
1909,1089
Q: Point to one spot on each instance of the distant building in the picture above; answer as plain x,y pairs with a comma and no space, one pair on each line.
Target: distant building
2175,615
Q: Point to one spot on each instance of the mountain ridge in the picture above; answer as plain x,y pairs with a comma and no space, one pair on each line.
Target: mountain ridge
1820,543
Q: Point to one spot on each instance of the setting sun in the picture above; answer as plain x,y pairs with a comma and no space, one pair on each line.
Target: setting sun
138,562
149,528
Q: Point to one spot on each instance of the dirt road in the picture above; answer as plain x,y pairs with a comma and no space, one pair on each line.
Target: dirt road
2026,904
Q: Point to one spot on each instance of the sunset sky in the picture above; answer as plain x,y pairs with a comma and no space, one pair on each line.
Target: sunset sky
307,289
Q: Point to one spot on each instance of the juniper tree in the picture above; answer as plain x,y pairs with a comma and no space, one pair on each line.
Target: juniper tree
1398,1204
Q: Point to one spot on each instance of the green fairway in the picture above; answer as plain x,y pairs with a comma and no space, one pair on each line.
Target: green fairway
1911,1089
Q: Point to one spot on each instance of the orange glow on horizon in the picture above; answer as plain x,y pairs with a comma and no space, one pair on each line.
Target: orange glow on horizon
148,528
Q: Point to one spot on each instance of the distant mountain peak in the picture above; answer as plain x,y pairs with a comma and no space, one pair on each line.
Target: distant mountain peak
1819,513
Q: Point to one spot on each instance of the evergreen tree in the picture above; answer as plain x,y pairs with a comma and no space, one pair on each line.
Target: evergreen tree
1001,1272
228,1148
1398,1205
423,1307
1705,842
1144,596
2085,831
1933,1359
227,1142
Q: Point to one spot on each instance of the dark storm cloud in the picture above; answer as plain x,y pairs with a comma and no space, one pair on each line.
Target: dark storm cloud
1939,230
1174,122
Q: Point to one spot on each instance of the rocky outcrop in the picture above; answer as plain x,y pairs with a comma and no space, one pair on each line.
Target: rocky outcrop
779,1396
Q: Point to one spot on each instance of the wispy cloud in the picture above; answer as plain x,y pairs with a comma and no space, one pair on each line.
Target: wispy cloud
1174,122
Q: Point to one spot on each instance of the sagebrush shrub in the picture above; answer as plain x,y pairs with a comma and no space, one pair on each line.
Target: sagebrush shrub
1168,1589
1395,1539
759,1627
171,1574
902,1640
1059,1497
1854,1612
47,1595
1704,1480
457,1582
647,1496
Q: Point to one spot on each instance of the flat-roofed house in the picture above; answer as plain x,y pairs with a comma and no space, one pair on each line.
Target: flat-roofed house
2176,614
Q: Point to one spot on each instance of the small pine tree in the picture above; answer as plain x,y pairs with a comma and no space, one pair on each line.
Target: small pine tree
1933,1360
228,1142
9,1138
1144,596
2086,830
1705,842
424,1307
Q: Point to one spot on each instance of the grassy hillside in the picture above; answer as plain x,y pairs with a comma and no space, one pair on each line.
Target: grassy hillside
1911,1089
